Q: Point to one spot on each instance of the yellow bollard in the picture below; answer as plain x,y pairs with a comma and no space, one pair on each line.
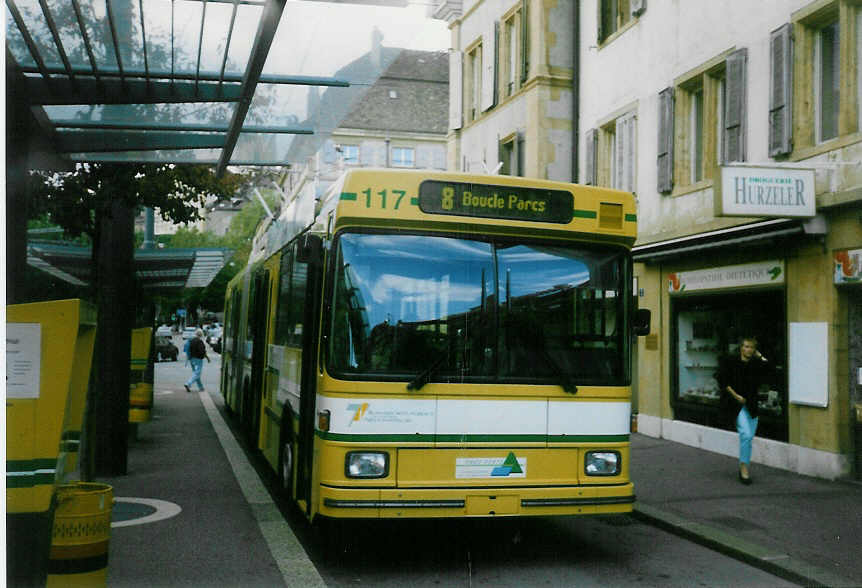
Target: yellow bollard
140,390
79,541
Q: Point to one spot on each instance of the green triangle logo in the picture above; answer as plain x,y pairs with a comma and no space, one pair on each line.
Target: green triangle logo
512,463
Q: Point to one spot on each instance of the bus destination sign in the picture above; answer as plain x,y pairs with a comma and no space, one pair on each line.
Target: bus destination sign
503,202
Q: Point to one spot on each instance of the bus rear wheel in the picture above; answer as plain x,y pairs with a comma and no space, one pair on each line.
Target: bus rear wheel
285,465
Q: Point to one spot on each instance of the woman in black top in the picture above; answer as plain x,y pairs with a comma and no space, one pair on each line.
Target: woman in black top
739,378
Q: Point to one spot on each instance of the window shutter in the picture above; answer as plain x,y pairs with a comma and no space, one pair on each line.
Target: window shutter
456,86
624,156
665,140
600,33
638,7
525,42
592,139
490,56
781,91
520,153
734,106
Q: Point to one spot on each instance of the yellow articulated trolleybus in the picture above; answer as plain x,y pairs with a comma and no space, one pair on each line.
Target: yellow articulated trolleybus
431,344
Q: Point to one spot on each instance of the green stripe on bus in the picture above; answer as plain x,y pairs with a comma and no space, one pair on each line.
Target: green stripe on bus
588,438
420,438
348,196
584,213
631,218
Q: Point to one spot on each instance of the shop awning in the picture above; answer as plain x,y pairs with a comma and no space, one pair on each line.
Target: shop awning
748,235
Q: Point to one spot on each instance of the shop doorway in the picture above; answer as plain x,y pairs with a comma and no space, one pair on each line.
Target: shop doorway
855,361
707,326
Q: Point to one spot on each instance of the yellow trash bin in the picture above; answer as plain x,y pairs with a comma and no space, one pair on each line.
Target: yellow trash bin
140,390
49,351
79,540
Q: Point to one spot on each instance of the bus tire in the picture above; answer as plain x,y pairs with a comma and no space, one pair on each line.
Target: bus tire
286,455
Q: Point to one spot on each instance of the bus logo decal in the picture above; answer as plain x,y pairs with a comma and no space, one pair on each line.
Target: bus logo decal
491,467
358,411
510,466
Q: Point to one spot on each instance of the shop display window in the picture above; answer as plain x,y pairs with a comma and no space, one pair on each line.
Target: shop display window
707,327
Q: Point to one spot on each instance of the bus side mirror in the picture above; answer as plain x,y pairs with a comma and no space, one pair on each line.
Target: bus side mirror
642,322
309,249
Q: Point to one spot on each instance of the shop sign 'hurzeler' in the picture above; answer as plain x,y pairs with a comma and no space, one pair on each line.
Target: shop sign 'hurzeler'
765,192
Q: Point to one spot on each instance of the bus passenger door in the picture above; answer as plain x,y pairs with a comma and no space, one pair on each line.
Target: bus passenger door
310,254
260,302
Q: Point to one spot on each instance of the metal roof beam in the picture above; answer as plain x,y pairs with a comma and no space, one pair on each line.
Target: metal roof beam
113,91
207,76
160,126
269,22
107,141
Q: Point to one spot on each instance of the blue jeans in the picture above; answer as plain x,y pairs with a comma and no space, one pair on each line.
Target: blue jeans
197,368
746,427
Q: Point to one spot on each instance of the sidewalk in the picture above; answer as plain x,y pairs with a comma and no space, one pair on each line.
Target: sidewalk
228,531
800,528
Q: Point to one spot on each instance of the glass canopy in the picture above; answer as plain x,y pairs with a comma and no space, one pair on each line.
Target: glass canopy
222,82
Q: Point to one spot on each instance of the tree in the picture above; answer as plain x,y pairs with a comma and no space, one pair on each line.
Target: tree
99,200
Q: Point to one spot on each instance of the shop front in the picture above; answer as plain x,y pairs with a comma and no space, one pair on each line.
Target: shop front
711,309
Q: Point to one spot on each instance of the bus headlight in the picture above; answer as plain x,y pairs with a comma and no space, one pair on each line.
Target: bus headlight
602,463
367,464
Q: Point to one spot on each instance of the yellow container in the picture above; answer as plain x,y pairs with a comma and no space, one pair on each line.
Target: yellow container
79,540
140,390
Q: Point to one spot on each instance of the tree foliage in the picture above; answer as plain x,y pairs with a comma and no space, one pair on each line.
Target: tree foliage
74,200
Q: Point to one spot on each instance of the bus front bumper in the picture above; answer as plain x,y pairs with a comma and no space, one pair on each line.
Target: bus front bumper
486,502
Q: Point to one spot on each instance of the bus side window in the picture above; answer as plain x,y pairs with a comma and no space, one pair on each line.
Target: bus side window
284,311
298,285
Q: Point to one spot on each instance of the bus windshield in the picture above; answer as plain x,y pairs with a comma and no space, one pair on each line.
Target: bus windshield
478,310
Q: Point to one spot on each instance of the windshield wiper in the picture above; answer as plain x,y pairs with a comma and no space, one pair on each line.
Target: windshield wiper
530,336
563,379
423,377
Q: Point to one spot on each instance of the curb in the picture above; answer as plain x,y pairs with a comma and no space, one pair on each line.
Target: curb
779,564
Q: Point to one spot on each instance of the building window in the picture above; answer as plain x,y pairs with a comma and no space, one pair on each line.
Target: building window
473,86
512,155
826,49
708,110
510,54
614,15
827,75
403,157
350,154
611,153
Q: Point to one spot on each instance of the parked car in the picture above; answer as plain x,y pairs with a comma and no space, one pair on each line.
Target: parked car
165,349
164,331
189,332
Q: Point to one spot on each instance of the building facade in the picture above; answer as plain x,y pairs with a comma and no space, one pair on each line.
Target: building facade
399,121
739,128
510,105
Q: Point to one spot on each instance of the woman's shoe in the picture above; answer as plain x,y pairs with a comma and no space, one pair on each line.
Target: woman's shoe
744,479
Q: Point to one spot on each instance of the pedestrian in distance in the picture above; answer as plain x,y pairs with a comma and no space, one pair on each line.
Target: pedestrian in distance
740,377
196,352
